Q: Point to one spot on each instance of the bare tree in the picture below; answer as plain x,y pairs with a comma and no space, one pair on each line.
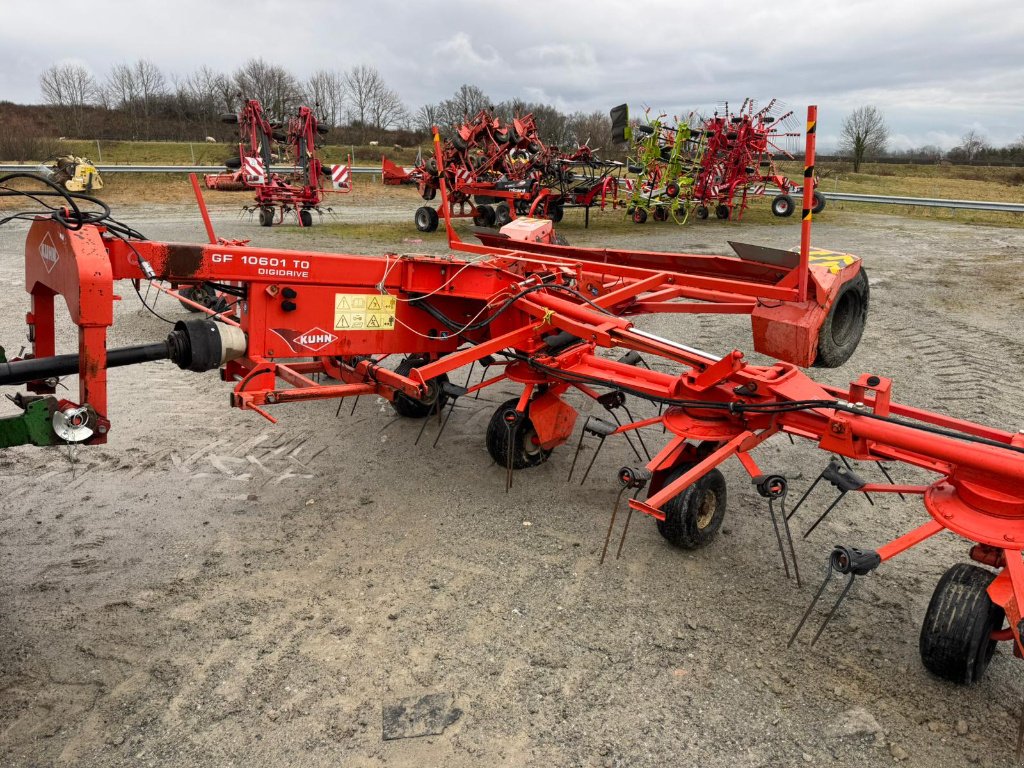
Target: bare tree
274,86
427,117
387,110
466,102
371,104
199,99
594,129
972,145
70,88
864,135
325,93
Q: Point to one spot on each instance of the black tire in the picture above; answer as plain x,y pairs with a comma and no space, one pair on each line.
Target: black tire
412,408
844,324
484,216
230,119
782,206
502,214
956,636
429,192
199,294
266,217
502,439
693,517
534,147
306,217
279,136
639,216
635,168
661,213
459,142
701,211
672,189
426,219
501,137
723,211
647,130
556,212
819,202
233,163
513,135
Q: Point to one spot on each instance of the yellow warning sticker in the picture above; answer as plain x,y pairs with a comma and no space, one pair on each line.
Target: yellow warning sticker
364,312
833,261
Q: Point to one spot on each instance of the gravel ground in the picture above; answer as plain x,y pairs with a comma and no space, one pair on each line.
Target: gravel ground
210,589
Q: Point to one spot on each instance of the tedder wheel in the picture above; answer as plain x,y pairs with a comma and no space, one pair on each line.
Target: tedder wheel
484,216
233,163
819,202
844,324
459,142
511,434
412,408
702,211
672,189
306,217
639,215
502,214
782,205
661,213
426,219
956,637
692,518
556,212
429,192
200,294
266,216
723,211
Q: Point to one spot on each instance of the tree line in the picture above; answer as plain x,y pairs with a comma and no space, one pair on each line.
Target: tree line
139,101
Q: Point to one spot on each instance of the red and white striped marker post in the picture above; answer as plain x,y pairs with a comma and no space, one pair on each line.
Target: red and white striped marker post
341,176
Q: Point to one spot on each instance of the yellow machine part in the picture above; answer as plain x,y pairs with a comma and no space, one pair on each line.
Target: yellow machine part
86,179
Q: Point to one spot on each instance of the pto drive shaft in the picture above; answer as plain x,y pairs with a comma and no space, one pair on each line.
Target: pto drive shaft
195,345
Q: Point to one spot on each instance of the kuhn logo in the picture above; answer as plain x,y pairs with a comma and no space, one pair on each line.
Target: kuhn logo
48,253
314,339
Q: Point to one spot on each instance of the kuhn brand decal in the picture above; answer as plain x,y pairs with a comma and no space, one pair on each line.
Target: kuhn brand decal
312,340
48,252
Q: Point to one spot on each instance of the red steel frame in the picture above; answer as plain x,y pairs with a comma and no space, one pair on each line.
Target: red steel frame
531,293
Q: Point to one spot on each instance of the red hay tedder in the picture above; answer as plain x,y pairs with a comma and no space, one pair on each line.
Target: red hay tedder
297,193
538,314
494,171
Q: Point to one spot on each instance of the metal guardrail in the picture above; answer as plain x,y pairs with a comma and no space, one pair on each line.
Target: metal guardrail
925,202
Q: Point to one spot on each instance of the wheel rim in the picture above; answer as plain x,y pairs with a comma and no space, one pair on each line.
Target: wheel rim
706,509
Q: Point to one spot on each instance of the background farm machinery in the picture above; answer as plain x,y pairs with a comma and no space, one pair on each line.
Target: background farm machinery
543,316
298,193
494,170
704,166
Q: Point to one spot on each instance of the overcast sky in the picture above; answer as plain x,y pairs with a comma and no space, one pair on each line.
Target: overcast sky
936,69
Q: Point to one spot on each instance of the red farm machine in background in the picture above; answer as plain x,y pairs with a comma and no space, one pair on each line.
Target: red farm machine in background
713,165
312,325
299,191
495,170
